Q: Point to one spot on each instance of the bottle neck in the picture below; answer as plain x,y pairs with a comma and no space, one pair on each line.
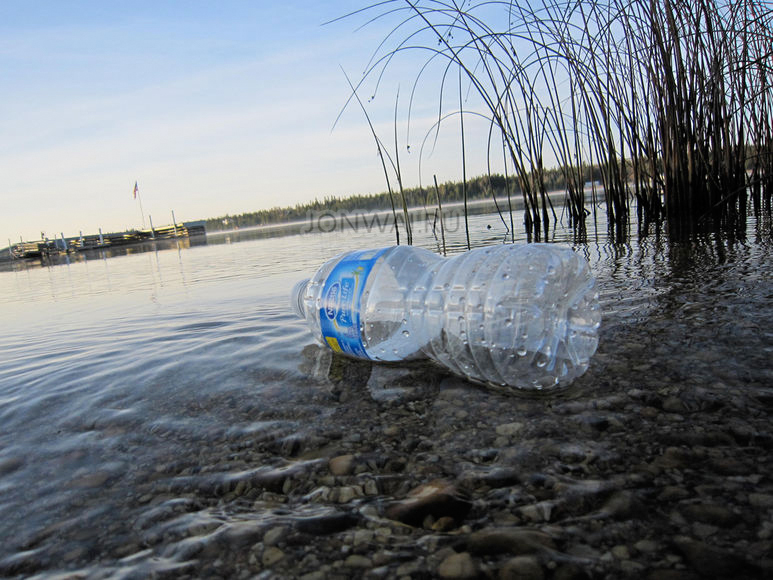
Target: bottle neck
296,298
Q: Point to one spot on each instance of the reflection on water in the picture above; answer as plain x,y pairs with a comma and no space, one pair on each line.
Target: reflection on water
139,393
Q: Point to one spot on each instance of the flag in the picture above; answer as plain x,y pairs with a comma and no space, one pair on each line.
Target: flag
136,190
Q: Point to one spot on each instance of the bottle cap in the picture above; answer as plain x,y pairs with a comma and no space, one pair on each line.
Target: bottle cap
296,298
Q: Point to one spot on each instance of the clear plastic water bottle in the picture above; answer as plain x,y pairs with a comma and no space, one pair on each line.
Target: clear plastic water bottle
510,316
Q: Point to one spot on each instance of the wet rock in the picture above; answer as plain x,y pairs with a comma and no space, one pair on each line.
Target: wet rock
675,458
458,566
621,505
621,552
10,464
329,523
437,499
497,477
96,479
346,493
342,465
275,535
646,546
444,524
709,513
673,405
761,500
729,466
358,561
509,541
509,429
668,574
711,561
538,512
522,568
672,493
276,479
570,572
271,556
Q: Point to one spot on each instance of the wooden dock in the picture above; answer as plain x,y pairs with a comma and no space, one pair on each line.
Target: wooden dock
81,243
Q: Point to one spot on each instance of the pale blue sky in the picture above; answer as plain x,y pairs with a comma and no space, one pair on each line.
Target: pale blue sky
213,107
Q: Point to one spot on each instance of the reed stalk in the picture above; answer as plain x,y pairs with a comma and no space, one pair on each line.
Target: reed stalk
670,99
440,213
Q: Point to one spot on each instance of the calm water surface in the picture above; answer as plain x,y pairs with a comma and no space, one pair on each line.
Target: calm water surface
114,370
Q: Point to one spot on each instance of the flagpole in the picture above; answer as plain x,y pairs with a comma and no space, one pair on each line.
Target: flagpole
139,199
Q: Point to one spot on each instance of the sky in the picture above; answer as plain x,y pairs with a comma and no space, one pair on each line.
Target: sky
211,107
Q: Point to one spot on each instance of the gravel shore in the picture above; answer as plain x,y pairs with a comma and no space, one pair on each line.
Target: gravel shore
655,464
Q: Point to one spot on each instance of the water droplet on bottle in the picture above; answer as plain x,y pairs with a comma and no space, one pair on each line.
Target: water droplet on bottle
505,276
508,322
406,333
521,352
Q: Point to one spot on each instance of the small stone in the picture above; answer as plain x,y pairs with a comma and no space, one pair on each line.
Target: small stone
347,493
362,536
272,555
341,465
408,568
509,541
522,568
672,493
96,479
713,514
458,566
437,499
761,500
538,512
444,524
370,487
358,561
730,466
673,405
570,572
509,429
10,465
622,505
392,431
704,530
675,457
330,523
710,560
275,535
621,552
646,546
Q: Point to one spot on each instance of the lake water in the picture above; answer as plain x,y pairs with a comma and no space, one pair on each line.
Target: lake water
135,389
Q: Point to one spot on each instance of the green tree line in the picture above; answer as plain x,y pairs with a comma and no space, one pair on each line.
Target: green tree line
482,187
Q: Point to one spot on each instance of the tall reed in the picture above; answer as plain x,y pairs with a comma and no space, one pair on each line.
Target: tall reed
672,100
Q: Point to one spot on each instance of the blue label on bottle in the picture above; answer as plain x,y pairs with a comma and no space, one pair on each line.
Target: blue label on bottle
339,314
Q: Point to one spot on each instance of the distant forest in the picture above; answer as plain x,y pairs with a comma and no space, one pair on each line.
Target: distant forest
482,187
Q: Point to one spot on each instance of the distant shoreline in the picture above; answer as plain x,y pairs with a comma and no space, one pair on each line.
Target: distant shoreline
318,220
